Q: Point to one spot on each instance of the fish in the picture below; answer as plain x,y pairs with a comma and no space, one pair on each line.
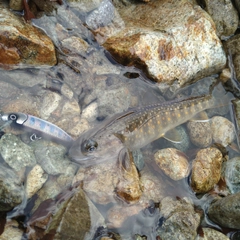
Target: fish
137,127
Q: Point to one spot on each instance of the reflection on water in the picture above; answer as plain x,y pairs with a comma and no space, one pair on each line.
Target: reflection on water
81,91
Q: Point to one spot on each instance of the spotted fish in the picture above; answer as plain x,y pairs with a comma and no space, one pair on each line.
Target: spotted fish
138,127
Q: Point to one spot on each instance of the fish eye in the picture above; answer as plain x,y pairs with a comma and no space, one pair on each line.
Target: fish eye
90,146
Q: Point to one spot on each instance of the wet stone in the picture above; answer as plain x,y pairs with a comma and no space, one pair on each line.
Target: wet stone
206,170
232,174
181,220
51,157
11,231
173,163
50,189
35,180
50,103
99,182
233,45
226,211
75,127
16,153
200,133
165,47
66,217
15,35
223,130
16,5
224,15
210,234
90,112
153,187
11,189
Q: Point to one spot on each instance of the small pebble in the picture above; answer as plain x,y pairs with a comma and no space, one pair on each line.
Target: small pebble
200,133
173,162
206,170
223,130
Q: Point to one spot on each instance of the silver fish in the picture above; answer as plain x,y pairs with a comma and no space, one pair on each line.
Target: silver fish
138,127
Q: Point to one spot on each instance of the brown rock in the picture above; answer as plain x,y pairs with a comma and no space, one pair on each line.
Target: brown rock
23,44
16,5
173,162
165,38
206,170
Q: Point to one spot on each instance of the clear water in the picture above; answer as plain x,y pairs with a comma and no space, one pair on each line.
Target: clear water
91,76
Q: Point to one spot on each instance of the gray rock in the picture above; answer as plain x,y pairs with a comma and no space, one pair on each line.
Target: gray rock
226,211
102,16
52,158
200,133
224,15
232,174
16,153
11,189
181,220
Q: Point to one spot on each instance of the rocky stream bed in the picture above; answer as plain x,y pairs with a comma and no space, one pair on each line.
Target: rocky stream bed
75,63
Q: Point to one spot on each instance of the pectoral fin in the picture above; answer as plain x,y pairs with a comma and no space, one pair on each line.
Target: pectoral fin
200,117
173,136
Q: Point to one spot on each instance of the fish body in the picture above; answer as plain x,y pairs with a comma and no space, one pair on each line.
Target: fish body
138,127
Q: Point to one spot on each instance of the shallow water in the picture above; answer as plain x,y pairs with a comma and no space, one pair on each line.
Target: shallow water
87,78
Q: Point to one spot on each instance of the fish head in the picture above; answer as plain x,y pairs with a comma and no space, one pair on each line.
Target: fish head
92,148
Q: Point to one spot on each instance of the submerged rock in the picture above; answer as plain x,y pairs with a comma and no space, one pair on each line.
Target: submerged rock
200,133
22,44
232,174
12,231
180,219
165,39
173,163
136,219
11,189
223,131
206,170
66,217
226,211
35,180
16,153
52,158
105,182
